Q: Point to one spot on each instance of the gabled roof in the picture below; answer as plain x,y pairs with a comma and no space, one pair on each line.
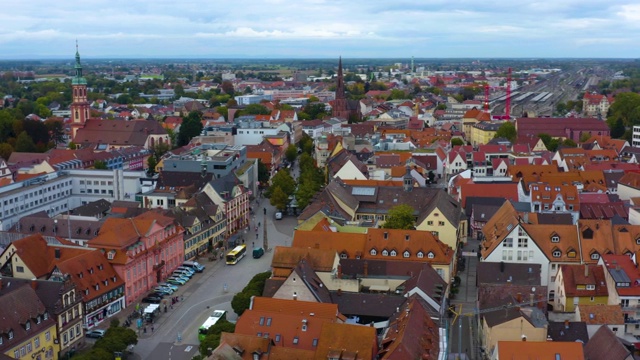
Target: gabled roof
39,257
289,257
87,270
346,339
412,334
507,190
287,318
231,342
19,303
630,179
118,132
601,314
623,270
508,273
576,278
604,344
568,331
499,226
568,243
525,350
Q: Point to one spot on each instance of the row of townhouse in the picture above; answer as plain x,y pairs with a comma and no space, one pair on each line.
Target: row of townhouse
512,237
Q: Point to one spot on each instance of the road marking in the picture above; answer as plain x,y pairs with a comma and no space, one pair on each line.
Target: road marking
188,348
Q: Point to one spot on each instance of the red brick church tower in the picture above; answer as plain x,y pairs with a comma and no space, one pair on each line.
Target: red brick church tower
79,104
343,108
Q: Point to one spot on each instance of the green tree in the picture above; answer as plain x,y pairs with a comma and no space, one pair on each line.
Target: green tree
400,217
618,129
507,131
5,150
397,94
255,109
263,172
152,162
56,130
585,136
191,126
625,107
569,143
550,143
291,153
100,165
178,90
283,180
24,143
457,142
278,198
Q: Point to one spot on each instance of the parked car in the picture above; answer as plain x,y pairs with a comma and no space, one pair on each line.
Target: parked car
152,299
176,281
186,269
194,265
279,215
164,289
170,286
157,293
182,273
95,334
258,252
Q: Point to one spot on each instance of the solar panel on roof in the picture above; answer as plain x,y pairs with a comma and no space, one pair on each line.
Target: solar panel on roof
363,191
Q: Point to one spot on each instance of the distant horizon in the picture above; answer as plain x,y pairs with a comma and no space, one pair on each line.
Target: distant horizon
164,29
230,57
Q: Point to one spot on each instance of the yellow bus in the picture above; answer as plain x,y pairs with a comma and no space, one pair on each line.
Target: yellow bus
236,254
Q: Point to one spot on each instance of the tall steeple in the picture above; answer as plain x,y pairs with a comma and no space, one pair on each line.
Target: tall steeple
340,86
78,79
79,104
340,109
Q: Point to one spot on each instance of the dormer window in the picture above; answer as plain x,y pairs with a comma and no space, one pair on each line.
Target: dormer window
38,319
406,254
595,256
557,253
373,252
86,291
555,238
587,233
638,241
393,253
385,252
407,237
97,286
27,325
10,335
420,255
430,255
591,287
386,235
343,255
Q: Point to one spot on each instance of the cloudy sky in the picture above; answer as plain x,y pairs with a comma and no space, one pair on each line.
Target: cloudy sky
319,28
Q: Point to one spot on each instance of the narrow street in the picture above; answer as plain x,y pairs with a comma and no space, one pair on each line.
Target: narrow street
463,330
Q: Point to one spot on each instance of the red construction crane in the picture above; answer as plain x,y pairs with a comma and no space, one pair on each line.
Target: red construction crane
507,106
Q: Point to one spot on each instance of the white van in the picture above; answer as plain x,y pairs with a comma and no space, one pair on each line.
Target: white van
196,266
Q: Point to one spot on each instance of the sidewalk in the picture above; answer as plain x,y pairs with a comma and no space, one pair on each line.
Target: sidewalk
161,317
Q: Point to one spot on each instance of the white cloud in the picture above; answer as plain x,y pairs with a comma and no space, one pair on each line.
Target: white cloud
320,27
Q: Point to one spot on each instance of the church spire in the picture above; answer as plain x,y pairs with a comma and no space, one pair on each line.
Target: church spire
78,79
340,85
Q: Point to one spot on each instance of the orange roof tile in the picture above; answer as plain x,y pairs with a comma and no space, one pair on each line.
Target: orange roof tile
347,338
577,278
525,350
91,268
601,314
567,244
289,257
596,238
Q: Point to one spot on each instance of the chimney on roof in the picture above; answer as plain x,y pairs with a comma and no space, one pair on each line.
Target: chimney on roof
566,324
295,295
586,270
57,253
339,271
519,298
524,337
339,292
366,268
34,284
532,299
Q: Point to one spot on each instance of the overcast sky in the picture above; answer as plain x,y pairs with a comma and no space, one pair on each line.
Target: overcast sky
319,28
